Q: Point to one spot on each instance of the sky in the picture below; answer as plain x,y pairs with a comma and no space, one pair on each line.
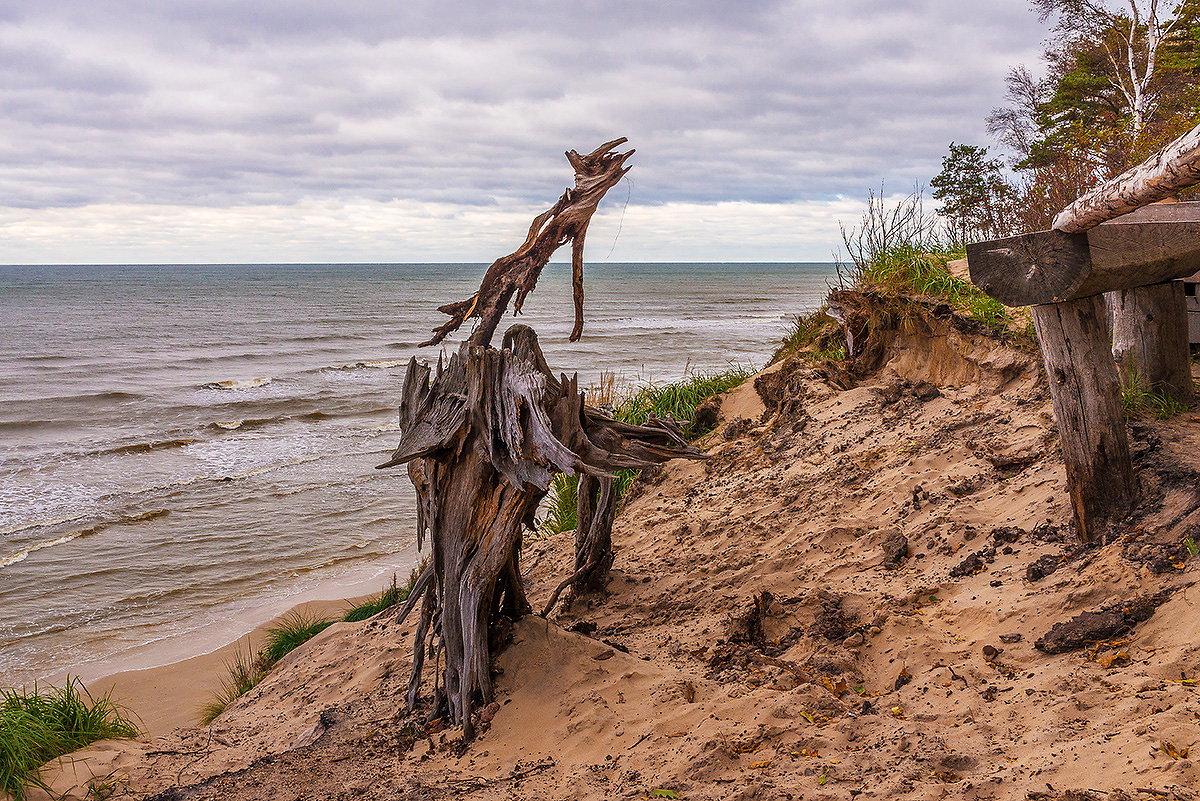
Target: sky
184,131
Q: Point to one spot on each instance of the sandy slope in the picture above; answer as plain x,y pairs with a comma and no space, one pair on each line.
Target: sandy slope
755,643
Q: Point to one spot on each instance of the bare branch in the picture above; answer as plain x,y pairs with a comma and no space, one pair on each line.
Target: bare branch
517,274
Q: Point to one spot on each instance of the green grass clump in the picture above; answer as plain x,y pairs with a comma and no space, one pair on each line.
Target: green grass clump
246,670
37,726
679,399
1138,400
385,600
903,250
905,270
293,630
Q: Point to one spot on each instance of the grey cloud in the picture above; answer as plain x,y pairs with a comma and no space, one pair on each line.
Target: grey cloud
212,103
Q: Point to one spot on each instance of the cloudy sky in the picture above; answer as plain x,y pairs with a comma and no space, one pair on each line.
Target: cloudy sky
406,130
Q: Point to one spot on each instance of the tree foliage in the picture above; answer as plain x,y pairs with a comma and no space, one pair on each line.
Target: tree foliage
1121,79
975,197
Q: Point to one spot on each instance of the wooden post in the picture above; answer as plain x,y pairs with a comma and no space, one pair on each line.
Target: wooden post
1150,338
1087,404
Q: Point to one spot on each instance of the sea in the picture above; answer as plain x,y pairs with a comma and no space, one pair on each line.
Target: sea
186,451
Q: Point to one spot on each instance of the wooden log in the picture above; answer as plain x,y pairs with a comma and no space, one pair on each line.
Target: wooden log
1086,397
1175,167
1149,246
1150,339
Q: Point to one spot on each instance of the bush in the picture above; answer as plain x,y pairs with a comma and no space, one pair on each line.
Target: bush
39,725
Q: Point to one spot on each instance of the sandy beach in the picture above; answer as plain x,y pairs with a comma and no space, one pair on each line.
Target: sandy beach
169,696
861,593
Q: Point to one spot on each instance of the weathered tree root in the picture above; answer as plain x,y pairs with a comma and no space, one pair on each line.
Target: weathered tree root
482,440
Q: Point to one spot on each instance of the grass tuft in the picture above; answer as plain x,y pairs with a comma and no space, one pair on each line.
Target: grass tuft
37,726
635,405
805,331
679,399
241,674
385,600
1138,400
247,669
293,630
903,250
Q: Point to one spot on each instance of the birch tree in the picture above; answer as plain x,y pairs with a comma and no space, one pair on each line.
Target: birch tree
1132,35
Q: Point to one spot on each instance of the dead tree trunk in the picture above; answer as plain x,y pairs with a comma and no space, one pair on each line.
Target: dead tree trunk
1087,404
595,511
1150,339
482,438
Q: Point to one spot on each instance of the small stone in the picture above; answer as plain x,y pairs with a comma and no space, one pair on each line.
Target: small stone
854,640
874,631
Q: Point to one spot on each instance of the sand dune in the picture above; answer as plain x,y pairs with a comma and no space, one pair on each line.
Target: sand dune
842,602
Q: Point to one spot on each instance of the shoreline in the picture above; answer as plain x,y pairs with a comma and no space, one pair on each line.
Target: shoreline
169,695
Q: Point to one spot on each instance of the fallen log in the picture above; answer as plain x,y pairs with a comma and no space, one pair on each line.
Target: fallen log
1175,167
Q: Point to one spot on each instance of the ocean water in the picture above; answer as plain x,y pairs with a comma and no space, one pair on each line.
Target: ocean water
186,451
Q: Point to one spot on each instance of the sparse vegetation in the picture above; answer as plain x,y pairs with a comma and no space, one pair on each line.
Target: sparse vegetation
37,726
247,669
805,329
385,600
834,355
678,399
903,250
241,674
1138,400
898,251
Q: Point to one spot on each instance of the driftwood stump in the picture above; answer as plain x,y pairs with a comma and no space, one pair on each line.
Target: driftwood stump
482,438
